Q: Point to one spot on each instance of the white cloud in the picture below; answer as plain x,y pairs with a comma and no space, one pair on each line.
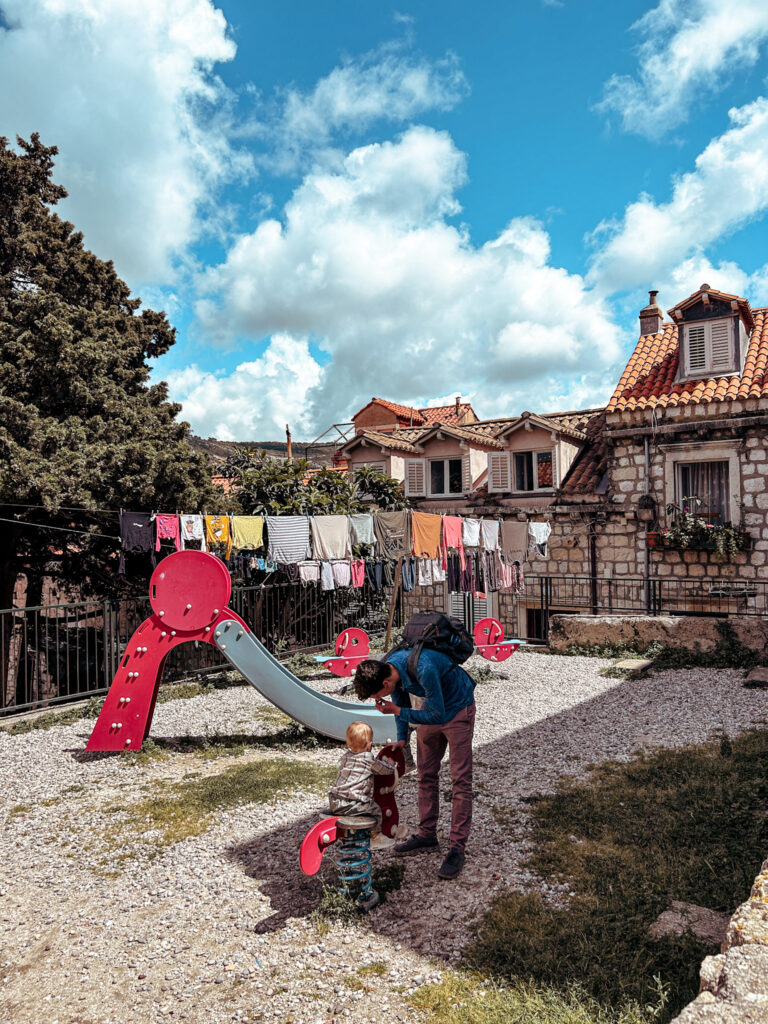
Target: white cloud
389,84
366,262
256,400
727,188
126,90
690,47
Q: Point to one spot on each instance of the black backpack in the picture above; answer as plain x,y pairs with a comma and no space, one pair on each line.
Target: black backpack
435,632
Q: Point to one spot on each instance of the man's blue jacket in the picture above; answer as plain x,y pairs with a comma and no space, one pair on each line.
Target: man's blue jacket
444,685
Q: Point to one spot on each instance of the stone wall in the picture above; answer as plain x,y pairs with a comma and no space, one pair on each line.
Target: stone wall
734,984
698,633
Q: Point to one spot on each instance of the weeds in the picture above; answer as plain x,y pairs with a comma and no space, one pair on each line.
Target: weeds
180,810
471,999
684,824
335,905
50,719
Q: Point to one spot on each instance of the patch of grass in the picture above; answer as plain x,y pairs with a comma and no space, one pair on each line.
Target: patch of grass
181,810
334,906
19,809
378,967
215,745
471,999
686,824
356,984
304,665
50,719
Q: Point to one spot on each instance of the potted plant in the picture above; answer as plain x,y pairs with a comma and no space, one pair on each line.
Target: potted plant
646,508
689,531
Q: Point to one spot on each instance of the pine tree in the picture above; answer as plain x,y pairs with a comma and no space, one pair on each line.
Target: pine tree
81,426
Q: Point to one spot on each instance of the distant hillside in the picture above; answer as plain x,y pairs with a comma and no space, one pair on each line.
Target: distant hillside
318,455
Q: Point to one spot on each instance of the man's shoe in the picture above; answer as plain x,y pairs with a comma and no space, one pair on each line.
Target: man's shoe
416,842
452,865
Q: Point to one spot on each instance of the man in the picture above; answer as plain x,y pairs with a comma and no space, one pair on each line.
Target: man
446,720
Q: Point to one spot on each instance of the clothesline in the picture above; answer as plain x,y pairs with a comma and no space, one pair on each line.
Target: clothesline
61,529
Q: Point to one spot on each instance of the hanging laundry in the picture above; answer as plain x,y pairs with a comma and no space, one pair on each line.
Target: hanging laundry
538,535
372,576
453,571
425,572
247,532
505,576
309,572
342,574
518,579
471,533
438,572
192,528
426,530
466,583
393,533
330,537
452,536
135,534
291,570
167,528
489,534
388,571
327,581
514,540
361,530
357,572
407,574
217,532
288,538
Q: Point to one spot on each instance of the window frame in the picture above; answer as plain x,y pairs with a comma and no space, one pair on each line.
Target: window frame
709,369
705,451
445,459
534,453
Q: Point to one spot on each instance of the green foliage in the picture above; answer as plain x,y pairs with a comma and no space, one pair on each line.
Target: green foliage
689,530
269,486
684,824
81,426
473,999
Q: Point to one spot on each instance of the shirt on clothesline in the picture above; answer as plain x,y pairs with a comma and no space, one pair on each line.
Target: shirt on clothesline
192,528
470,534
425,576
357,572
514,540
453,527
393,533
538,534
288,538
217,532
489,534
330,537
309,572
247,532
426,529
327,581
342,574
135,534
167,528
361,529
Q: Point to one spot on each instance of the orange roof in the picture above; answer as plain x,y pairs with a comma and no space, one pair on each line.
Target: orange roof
225,483
445,413
403,412
649,378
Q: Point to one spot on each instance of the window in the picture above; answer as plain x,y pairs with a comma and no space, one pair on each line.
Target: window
445,476
533,471
709,347
382,466
707,481
498,472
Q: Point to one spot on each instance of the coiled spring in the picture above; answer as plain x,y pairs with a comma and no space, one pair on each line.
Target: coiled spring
354,861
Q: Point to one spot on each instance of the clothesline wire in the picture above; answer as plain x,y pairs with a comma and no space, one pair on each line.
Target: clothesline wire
61,529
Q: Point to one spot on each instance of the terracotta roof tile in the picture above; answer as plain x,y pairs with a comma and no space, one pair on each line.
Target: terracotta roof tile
445,413
404,412
648,380
589,466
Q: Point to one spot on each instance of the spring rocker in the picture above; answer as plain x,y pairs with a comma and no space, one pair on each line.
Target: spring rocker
352,646
353,834
490,644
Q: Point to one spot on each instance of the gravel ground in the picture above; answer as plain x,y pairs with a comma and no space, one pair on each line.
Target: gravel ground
218,927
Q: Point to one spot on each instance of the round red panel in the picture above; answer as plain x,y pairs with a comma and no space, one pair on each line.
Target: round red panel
352,641
487,631
189,589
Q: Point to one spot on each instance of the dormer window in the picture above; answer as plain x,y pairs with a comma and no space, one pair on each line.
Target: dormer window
710,347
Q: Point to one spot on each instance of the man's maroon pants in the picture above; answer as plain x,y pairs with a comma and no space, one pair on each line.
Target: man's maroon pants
432,741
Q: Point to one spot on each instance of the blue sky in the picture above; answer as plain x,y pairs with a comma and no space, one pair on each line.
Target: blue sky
418,200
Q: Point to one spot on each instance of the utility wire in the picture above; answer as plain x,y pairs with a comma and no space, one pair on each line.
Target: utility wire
61,529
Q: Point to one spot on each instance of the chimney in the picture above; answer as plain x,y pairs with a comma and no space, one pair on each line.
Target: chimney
458,407
651,316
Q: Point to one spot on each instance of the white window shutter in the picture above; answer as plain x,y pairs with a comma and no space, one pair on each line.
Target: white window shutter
697,348
415,478
498,471
466,474
722,357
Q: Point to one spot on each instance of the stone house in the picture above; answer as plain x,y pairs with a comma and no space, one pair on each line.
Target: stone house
383,417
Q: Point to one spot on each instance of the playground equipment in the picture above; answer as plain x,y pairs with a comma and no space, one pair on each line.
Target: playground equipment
488,635
354,837
352,646
188,593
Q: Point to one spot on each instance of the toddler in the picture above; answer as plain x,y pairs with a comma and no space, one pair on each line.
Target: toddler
352,792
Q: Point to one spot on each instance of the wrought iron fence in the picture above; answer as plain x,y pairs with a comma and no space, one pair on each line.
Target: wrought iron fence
638,595
52,654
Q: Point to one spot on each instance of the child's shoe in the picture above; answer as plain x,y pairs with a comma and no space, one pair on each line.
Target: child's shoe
381,842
